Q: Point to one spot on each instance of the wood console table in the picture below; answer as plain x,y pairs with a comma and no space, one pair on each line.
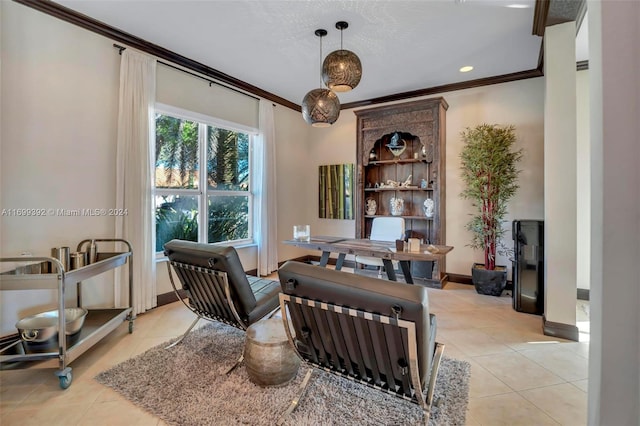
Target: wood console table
380,249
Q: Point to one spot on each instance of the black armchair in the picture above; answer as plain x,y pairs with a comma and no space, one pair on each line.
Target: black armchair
372,331
217,285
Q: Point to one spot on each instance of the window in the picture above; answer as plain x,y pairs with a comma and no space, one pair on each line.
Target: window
213,206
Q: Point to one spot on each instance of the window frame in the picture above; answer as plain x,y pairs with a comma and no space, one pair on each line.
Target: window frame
203,192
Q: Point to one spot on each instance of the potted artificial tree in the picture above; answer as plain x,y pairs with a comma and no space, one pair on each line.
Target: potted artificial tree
490,176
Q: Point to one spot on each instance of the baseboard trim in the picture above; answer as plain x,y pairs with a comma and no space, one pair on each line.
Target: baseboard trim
583,294
460,279
166,298
466,279
558,329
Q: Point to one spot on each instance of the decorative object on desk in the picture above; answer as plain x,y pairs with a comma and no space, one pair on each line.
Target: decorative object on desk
397,145
414,245
335,192
429,207
433,249
372,206
488,165
302,232
399,245
397,206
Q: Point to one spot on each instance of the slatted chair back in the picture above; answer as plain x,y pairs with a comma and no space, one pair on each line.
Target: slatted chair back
209,293
372,331
217,285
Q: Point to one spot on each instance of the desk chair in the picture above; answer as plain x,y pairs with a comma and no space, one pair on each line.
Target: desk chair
383,229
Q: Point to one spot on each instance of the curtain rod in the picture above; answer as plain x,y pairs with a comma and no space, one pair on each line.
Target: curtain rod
121,48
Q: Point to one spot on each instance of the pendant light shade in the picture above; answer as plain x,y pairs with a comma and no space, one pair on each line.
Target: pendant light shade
341,69
320,107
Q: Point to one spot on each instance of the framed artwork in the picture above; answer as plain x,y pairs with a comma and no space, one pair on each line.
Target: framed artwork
336,184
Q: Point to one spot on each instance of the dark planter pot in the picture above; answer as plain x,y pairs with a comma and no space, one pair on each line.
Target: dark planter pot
487,282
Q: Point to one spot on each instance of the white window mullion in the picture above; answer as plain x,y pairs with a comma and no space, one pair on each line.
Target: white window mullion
203,212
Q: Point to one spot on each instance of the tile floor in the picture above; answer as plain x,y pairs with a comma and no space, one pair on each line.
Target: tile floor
518,375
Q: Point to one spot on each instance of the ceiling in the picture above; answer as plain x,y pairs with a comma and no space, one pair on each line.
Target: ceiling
403,45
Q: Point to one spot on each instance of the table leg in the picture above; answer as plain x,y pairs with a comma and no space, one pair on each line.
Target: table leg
340,261
324,259
388,266
406,270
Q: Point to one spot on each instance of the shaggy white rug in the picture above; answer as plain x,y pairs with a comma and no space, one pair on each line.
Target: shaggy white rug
185,385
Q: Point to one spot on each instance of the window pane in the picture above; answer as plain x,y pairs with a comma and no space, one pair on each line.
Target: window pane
176,153
176,217
227,160
228,218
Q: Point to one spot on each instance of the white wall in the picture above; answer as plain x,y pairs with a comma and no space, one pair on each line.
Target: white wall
519,103
59,114
59,99
614,351
560,173
583,185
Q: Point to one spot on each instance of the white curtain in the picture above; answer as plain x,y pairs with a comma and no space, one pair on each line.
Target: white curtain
266,195
135,166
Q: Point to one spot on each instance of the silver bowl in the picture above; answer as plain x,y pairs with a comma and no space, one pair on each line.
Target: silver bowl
42,327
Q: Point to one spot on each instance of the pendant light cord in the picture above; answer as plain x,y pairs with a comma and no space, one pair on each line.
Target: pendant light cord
320,61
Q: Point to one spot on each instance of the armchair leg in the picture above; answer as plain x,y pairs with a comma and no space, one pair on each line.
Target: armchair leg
435,365
296,400
274,312
193,324
234,366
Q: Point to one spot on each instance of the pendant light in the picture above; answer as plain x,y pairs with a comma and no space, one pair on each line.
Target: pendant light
320,107
341,70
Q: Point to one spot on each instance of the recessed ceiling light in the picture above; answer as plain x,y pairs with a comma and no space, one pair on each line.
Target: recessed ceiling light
466,68
518,6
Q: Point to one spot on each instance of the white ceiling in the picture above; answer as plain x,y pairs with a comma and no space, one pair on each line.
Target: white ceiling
403,45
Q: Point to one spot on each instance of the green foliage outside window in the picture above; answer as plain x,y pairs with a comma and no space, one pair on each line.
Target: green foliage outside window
177,167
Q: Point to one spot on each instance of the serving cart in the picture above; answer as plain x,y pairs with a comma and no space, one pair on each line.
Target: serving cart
33,273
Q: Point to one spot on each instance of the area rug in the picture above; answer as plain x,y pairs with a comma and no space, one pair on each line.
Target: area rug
186,385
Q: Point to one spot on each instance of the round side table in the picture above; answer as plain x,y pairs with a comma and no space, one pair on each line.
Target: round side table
268,356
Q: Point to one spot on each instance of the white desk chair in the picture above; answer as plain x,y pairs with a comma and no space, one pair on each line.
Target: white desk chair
383,229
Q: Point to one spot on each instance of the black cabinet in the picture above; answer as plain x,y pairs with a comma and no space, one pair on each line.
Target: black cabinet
528,266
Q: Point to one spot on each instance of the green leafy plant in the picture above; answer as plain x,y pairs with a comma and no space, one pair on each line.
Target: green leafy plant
490,176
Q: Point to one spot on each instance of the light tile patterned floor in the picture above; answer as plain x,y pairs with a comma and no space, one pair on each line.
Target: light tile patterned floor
518,375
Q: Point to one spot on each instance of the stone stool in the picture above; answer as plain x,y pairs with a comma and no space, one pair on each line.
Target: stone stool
268,356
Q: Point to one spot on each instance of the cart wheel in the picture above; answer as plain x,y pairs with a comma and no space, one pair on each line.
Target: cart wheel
65,381
130,327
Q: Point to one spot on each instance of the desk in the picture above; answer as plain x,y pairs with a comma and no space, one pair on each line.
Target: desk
365,247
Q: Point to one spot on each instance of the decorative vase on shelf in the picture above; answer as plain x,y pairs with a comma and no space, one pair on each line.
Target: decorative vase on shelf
372,206
428,207
397,206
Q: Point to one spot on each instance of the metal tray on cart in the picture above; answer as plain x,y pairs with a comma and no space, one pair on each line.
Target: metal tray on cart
14,353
